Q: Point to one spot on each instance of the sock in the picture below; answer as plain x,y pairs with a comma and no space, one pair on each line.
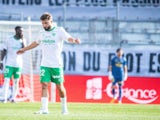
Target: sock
64,104
120,93
15,88
6,88
44,103
113,92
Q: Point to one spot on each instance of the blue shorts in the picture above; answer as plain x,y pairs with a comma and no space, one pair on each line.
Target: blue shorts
118,80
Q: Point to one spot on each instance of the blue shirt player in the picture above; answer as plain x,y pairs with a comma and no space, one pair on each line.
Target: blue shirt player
118,73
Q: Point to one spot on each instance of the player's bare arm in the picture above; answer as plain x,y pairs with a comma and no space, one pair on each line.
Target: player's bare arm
110,68
2,55
31,46
74,40
125,69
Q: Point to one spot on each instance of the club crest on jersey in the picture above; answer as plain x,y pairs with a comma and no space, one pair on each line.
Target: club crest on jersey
53,34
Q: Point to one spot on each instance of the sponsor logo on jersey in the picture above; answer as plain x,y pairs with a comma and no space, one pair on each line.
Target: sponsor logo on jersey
53,34
118,64
47,41
16,48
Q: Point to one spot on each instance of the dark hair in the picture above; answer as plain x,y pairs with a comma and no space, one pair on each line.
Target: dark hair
118,50
46,16
18,27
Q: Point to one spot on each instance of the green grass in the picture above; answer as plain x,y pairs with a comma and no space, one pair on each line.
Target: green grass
80,111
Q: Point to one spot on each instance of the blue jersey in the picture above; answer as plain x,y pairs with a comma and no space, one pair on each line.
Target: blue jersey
118,67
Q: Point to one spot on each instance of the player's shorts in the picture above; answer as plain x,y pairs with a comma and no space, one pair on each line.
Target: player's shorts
118,80
48,74
15,71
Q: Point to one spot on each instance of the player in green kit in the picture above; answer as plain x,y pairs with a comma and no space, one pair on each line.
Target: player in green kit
51,41
13,62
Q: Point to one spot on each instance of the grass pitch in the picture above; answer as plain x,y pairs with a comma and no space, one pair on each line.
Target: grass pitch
80,111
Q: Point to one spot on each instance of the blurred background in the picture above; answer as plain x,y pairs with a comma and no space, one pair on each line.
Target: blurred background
102,26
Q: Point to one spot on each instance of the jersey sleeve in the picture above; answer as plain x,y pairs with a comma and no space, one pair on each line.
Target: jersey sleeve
4,45
125,61
39,37
111,63
64,35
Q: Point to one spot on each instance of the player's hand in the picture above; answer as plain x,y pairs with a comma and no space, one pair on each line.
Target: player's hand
110,76
77,41
21,51
1,66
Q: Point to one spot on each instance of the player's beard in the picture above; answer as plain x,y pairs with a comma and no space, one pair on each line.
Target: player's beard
19,36
48,28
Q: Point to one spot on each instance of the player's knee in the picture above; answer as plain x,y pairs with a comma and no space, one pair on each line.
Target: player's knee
120,84
113,86
44,86
16,81
6,81
62,91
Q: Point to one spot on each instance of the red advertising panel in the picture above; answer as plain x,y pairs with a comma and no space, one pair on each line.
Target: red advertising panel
139,90
136,90
24,91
